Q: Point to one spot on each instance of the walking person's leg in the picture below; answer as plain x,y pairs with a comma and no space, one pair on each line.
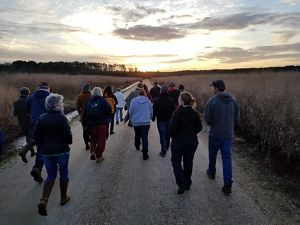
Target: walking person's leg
86,136
121,114
144,137
112,124
29,145
93,132
101,142
137,137
117,115
63,163
177,167
188,157
162,138
167,125
213,148
26,133
51,168
36,171
227,164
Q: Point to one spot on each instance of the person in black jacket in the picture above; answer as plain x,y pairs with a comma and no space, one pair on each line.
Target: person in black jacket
184,127
163,109
52,134
20,110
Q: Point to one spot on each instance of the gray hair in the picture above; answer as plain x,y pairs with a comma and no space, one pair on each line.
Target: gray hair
53,100
97,91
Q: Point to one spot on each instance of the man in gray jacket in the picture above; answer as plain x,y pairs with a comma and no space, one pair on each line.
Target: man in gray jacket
221,114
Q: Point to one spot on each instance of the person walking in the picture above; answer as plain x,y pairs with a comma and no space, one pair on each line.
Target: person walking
112,100
52,134
20,110
132,95
119,107
141,113
97,116
221,113
81,101
36,107
174,93
163,109
147,92
184,126
155,92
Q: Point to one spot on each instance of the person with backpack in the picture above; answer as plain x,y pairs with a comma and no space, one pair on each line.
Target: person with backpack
1,144
112,100
52,134
81,101
20,110
121,104
174,93
36,107
155,91
97,116
163,109
141,113
184,126
221,113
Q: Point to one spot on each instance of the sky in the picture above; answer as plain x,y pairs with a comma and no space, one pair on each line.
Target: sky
157,35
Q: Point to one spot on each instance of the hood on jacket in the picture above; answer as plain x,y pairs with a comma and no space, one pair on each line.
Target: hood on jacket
41,93
142,99
225,97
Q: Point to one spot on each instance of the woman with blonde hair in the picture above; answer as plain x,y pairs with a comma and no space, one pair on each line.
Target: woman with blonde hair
184,126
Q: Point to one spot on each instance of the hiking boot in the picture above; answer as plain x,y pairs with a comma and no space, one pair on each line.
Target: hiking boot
64,198
99,159
210,176
23,157
226,189
87,147
36,174
180,191
145,156
112,132
137,147
93,157
117,122
42,206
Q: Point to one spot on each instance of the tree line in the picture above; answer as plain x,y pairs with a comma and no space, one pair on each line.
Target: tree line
94,68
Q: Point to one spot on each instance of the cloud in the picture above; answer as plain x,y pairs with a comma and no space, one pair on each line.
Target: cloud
243,20
285,36
149,33
291,2
238,55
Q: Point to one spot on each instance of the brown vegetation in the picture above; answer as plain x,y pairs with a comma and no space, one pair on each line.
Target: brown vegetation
269,107
67,85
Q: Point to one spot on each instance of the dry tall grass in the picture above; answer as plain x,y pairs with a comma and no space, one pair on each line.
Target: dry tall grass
269,107
67,85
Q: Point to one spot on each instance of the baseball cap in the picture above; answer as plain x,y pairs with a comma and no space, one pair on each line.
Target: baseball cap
218,84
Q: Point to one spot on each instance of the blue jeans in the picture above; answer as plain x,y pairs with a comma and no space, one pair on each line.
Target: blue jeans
163,129
119,114
52,163
224,144
141,133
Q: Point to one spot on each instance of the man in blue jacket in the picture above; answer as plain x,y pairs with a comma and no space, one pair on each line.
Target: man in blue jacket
36,107
221,114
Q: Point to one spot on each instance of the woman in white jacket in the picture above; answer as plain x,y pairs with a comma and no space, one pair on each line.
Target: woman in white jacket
121,104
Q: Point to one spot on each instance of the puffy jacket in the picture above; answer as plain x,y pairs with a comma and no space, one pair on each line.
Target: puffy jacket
52,133
20,110
36,104
163,108
140,111
81,101
105,116
185,122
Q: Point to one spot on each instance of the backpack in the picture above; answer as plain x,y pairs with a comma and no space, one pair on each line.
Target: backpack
94,108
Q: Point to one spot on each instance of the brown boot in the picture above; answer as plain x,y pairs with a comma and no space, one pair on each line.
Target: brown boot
63,192
43,202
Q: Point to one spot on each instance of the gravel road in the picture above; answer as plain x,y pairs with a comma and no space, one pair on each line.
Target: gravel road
124,189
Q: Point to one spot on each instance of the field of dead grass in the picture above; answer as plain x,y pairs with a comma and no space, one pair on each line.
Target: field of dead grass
269,107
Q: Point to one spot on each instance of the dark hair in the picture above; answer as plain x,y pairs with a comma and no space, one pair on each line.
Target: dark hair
24,91
181,87
108,90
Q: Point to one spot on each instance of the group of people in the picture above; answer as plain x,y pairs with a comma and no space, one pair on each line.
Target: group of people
41,118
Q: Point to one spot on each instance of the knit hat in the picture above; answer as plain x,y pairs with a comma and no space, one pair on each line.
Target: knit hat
164,89
85,87
24,91
43,85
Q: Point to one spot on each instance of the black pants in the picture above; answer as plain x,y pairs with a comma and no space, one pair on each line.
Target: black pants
183,149
86,134
112,122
